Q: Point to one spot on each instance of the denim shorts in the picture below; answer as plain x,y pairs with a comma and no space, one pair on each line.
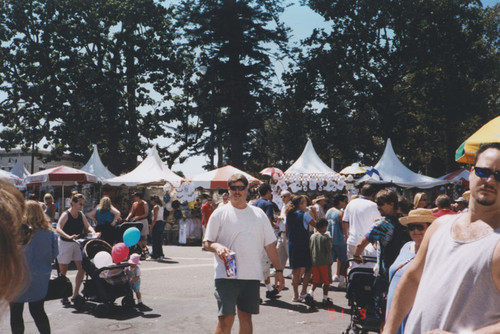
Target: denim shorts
339,252
235,292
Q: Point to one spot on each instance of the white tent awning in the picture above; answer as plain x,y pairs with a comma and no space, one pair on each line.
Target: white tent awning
151,170
392,170
96,167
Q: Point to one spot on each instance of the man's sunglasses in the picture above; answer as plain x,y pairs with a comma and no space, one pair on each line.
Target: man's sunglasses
419,227
239,188
486,173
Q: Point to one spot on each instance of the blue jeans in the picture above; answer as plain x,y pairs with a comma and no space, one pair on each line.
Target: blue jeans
158,239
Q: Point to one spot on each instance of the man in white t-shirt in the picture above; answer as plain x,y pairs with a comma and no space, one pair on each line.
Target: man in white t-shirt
359,216
245,230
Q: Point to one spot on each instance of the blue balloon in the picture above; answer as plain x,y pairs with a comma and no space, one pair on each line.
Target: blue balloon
131,236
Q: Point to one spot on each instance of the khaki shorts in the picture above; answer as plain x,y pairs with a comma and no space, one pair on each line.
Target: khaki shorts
68,251
145,227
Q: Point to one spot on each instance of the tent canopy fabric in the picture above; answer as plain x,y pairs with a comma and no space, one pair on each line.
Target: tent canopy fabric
355,168
61,175
217,178
490,132
391,170
151,170
10,177
460,176
309,163
19,169
96,167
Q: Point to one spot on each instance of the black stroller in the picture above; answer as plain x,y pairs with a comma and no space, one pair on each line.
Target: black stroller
361,298
102,291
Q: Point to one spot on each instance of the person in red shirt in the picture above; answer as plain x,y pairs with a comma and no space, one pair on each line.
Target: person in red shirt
206,212
443,203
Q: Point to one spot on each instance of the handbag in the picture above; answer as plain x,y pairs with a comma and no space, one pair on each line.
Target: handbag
59,286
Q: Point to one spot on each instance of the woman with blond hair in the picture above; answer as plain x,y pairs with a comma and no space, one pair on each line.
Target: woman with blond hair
40,249
107,216
420,200
11,268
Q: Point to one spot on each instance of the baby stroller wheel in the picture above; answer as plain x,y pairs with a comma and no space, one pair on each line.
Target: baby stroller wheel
101,310
128,301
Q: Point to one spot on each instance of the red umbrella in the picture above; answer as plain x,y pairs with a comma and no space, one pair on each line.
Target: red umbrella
271,171
60,176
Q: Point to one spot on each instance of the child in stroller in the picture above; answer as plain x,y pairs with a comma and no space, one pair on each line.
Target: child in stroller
103,285
361,293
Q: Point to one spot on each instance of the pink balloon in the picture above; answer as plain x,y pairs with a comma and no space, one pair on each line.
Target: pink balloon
119,252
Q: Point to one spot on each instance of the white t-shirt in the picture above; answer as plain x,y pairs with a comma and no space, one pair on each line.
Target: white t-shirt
246,232
360,213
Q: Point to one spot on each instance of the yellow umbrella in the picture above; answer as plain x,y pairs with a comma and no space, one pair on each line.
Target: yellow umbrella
355,168
490,132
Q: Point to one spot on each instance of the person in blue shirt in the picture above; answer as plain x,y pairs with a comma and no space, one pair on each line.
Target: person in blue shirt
40,249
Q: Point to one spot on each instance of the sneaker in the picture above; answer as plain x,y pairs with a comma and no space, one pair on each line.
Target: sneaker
297,300
65,301
140,304
309,300
327,302
342,283
271,294
336,278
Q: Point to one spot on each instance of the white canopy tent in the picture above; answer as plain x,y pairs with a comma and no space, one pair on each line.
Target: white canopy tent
391,170
309,162
19,169
151,170
309,172
96,167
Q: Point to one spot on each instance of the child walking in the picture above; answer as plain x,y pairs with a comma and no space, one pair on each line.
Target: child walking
321,255
134,276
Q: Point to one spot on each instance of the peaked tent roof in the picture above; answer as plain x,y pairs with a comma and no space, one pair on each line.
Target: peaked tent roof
217,178
96,167
151,170
309,162
392,170
19,169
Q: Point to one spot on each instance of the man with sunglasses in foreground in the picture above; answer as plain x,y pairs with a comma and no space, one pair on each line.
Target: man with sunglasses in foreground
244,230
453,285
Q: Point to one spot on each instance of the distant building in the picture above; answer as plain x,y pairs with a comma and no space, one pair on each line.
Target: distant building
9,159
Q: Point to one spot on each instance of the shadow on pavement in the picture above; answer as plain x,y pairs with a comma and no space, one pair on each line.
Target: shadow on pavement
301,308
117,312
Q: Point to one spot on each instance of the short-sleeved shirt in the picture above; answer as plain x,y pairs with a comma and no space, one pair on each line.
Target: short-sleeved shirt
246,232
321,249
381,233
360,213
266,206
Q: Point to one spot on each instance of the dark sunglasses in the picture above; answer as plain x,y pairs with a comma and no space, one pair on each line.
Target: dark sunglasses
486,173
239,188
419,227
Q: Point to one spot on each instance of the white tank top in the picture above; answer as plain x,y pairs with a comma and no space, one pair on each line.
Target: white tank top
456,291
160,213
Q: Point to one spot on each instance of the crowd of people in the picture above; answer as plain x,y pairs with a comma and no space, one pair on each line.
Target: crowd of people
450,250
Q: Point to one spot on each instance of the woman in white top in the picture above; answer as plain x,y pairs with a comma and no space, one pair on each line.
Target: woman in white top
157,227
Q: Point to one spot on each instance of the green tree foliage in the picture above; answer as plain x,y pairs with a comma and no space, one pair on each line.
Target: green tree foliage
234,99
81,72
415,71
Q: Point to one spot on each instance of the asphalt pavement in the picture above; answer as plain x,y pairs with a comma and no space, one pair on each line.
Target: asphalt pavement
178,298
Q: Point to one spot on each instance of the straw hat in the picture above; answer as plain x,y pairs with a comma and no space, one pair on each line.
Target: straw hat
418,216
466,195
320,198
